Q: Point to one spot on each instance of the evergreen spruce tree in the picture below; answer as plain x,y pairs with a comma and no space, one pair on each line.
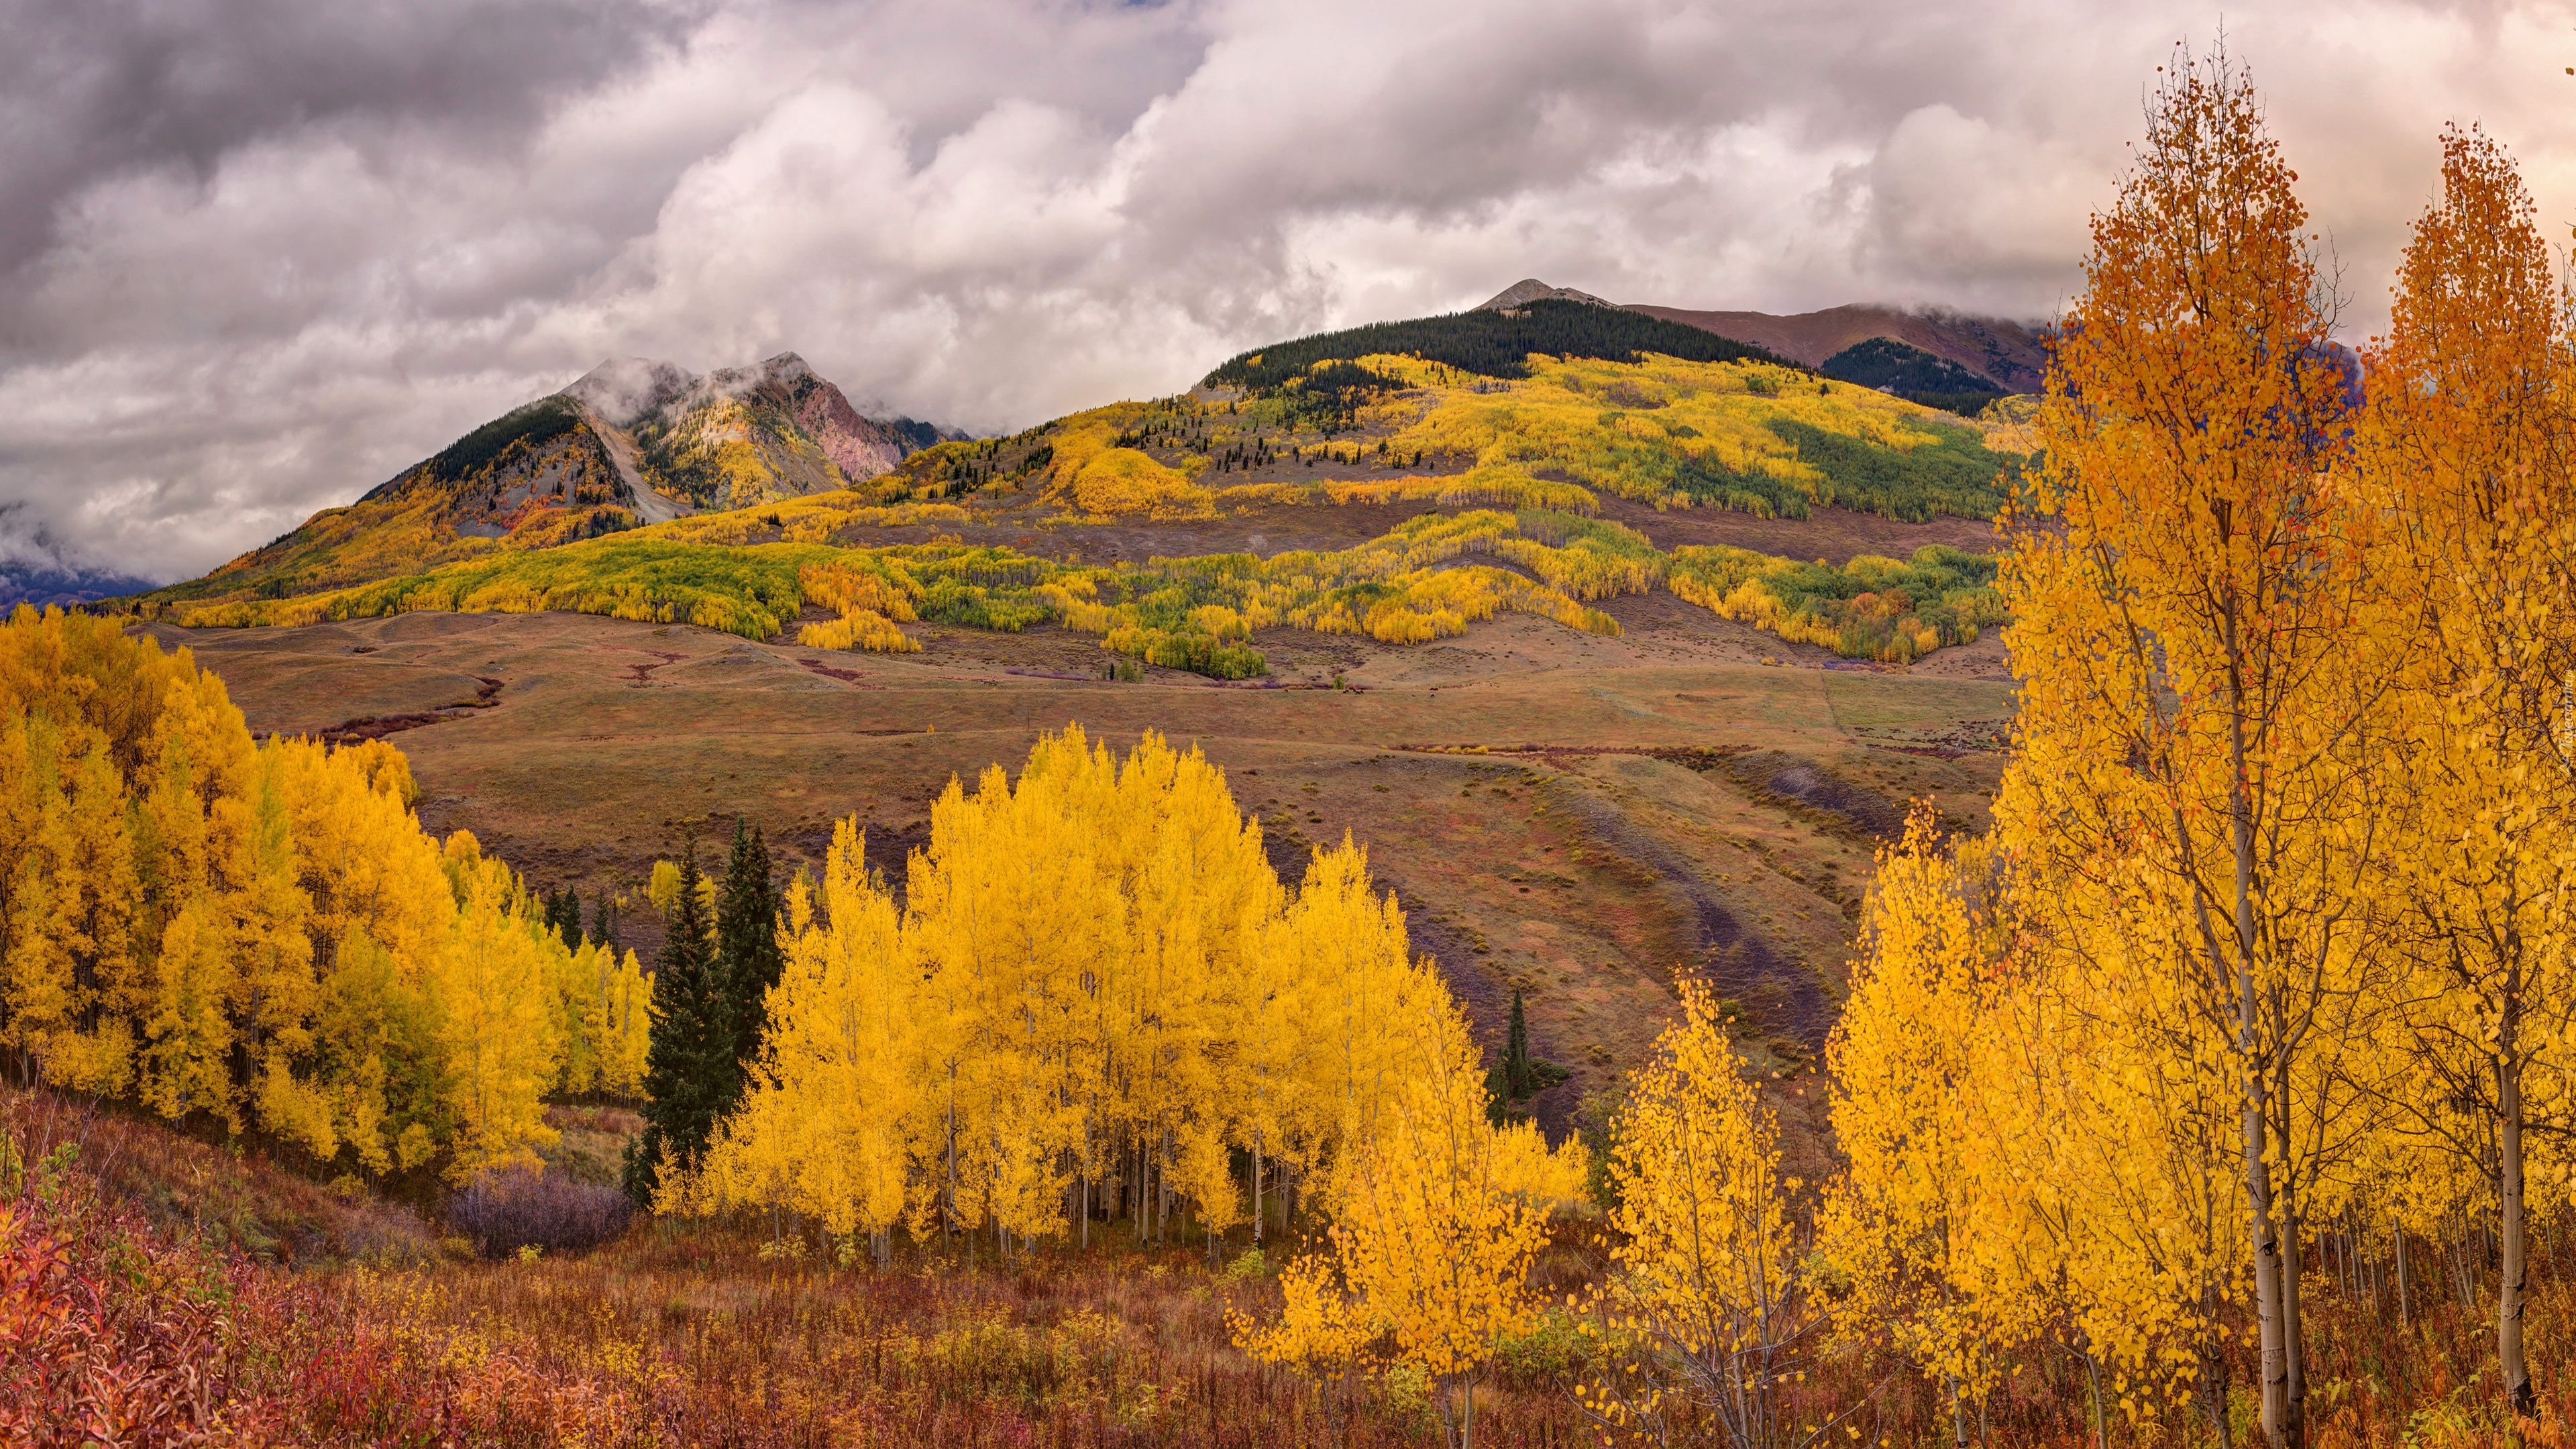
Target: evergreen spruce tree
603,920
1518,1079
747,956
690,1074
562,915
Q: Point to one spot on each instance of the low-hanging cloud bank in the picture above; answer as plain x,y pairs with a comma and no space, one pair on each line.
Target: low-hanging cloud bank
257,256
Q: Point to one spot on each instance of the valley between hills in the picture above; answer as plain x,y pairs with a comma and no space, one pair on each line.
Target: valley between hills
1578,782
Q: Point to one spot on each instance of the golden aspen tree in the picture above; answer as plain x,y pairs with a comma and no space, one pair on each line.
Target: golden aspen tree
1359,989
2196,729
275,990
1706,1306
1926,1221
1273,1052
1197,894
1438,1215
626,1030
1320,1331
22,886
2470,438
835,1097
186,1060
70,906
2133,1237
488,987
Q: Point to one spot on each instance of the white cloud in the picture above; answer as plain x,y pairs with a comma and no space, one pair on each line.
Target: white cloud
988,213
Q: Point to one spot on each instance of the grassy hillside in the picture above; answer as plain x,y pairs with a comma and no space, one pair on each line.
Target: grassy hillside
1748,435
1413,584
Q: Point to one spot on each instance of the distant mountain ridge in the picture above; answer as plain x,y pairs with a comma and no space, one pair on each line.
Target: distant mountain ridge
40,584
1930,352
2013,356
633,441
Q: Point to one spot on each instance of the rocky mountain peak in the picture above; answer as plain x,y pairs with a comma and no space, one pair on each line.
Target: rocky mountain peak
623,389
1530,289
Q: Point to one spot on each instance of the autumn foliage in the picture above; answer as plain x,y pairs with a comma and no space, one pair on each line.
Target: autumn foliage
258,935
2258,989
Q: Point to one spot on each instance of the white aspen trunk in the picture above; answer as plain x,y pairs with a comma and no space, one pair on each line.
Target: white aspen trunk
1256,1187
2513,1251
2268,1300
2271,1304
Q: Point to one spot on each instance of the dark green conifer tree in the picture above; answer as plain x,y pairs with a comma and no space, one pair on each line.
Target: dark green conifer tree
690,1074
748,958
603,920
563,916
1518,1079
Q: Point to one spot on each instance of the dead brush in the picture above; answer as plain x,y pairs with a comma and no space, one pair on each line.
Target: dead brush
508,1210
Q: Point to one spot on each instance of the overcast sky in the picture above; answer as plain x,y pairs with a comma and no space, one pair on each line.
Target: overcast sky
256,256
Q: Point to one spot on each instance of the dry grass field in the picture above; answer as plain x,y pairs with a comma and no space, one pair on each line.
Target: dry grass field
1572,815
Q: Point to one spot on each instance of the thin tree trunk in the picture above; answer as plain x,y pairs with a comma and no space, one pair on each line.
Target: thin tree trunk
1256,1187
2280,1411
2404,1309
2294,1336
2269,1303
2093,1379
2514,1257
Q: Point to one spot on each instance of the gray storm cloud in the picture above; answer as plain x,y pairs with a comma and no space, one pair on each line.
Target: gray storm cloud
256,256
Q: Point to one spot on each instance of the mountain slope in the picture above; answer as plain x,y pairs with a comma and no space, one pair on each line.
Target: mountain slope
2011,355
630,443
1557,437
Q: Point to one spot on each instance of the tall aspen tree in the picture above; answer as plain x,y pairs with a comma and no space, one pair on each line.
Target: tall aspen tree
2194,724
2469,446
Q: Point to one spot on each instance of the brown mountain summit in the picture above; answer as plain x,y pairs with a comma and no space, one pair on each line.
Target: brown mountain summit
2013,354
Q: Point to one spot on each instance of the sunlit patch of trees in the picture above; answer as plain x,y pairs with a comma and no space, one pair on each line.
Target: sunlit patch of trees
1185,613
1870,608
1415,583
1096,1001
261,937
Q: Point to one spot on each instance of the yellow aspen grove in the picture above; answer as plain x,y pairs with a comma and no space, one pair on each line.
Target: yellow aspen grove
623,1029
1094,991
1361,989
2468,449
1706,1309
70,902
251,934
2198,725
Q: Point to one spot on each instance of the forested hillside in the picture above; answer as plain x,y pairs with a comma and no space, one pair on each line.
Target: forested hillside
1462,447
